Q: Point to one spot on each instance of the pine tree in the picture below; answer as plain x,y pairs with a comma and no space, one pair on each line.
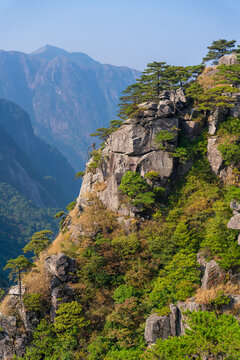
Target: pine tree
18,266
38,242
218,49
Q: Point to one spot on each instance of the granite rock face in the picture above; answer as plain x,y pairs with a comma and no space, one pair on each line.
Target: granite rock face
214,156
132,147
228,60
60,266
162,326
213,275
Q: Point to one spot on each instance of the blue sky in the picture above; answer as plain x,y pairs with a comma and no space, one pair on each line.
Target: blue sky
123,32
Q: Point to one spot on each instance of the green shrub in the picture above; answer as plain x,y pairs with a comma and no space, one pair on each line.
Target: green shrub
124,292
163,137
33,302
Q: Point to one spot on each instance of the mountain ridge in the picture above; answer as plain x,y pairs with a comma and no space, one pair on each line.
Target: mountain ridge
67,96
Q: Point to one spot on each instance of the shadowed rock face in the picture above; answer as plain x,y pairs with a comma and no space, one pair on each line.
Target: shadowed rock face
132,147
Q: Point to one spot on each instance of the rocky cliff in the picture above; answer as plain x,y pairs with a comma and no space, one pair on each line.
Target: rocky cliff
133,147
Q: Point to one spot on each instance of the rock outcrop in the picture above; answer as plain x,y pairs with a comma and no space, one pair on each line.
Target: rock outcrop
133,147
162,326
62,270
234,222
228,59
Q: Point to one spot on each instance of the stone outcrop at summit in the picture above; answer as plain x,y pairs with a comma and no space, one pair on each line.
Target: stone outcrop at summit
133,147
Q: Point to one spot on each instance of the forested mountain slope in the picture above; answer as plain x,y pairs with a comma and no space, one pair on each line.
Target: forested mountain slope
67,95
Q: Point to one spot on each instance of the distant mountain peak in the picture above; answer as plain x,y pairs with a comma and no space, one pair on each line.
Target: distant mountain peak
49,51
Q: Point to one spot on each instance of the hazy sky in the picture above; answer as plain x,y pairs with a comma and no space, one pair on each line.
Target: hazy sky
123,32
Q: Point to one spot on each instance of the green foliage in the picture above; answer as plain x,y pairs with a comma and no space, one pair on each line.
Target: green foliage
164,311
79,175
194,90
229,135
124,292
48,345
99,348
138,190
38,242
220,300
219,241
33,302
233,193
18,266
218,49
158,76
103,133
177,281
208,337
96,160
230,152
219,96
163,137
69,318
132,184
152,175
71,206
123,354
19,219
59,214
181,153
229,74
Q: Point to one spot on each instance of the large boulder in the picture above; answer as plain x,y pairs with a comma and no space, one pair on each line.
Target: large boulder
60,266
216,117
228,59
162,326
214,156
171,102
213,275
234,222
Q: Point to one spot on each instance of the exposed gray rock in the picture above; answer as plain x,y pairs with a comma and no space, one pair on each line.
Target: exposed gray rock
192,129
213,275
162,326
215,118
214,156
60,294
60,266
149,105
157,327
234,222
132,147
184,306
228,59
235,110
12,342
234,205
171,102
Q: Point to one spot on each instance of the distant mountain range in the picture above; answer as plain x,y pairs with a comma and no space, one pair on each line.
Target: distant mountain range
37,170
67,95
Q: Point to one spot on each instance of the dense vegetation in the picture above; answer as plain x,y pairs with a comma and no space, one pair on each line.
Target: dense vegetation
19,219
124,277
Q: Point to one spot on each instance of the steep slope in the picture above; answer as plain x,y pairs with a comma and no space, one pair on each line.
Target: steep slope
36,169
67,95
